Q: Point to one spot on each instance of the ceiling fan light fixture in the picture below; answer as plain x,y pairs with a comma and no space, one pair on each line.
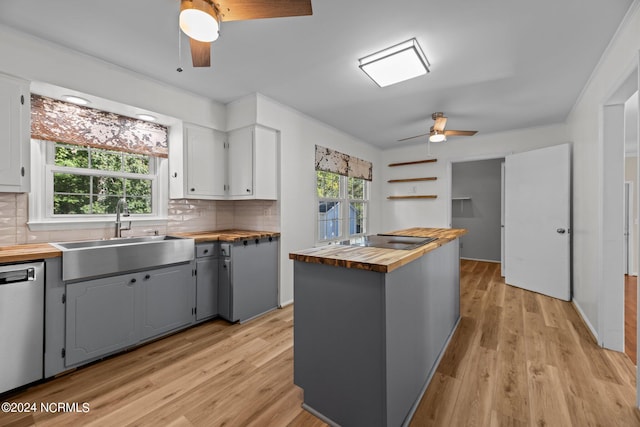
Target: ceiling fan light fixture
198,20
396,64
437,137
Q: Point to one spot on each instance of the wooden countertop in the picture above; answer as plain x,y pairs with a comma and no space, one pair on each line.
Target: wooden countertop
381,260
30,252
226,235
35,251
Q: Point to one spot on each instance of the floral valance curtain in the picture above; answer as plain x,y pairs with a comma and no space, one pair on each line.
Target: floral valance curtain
343,164
59,121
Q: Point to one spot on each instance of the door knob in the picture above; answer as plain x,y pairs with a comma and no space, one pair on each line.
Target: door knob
561,230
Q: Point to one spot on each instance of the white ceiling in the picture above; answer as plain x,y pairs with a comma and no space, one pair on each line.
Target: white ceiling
496,64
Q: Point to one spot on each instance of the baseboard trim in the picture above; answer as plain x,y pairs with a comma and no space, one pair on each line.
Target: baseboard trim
481,260
585,320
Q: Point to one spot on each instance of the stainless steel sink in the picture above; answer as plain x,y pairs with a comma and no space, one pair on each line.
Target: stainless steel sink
91,258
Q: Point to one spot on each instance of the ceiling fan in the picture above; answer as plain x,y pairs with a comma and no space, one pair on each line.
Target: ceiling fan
438,133
200,19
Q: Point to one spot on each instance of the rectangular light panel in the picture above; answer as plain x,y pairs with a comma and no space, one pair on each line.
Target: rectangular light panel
396,64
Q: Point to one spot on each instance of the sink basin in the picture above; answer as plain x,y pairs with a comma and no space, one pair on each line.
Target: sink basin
92,258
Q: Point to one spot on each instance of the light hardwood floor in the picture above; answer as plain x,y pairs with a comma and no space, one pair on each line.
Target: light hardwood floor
517,358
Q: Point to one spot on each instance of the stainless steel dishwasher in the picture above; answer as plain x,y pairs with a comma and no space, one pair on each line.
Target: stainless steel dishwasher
21,324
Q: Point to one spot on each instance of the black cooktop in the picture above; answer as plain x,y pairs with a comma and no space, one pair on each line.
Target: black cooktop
389,241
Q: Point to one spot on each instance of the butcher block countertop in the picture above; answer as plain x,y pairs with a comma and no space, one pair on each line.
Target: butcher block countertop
227,235
380,260
30,252
35,251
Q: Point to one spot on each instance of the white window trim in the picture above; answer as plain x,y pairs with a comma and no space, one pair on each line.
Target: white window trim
40,215
344,210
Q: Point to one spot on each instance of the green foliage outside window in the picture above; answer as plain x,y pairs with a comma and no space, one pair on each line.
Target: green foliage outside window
89,192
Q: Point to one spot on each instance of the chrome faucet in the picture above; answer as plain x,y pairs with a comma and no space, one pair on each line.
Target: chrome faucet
124,208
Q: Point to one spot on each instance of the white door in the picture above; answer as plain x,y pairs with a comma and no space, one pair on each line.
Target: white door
537,220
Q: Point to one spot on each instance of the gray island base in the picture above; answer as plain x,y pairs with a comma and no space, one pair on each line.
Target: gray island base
366,343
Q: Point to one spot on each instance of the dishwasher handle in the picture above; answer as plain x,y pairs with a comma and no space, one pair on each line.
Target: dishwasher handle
13,276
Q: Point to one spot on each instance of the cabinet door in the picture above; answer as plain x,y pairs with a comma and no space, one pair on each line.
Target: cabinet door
206,162
168,299
241,163
266,163
14,135
206,288
101,317
254,278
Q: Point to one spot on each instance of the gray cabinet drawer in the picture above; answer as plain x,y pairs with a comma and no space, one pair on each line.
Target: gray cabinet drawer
205,249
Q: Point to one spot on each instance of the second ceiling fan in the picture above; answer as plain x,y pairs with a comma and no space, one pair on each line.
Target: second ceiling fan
200,19
438,133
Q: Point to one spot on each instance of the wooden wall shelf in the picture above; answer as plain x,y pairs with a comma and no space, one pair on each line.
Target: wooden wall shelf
413,163
420,196
427,178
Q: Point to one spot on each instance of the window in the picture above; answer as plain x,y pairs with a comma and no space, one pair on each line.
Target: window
75,183
83,160
90,181
342,204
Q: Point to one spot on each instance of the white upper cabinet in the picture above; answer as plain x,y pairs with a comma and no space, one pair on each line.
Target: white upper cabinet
198,165
208,164
253,163
15,135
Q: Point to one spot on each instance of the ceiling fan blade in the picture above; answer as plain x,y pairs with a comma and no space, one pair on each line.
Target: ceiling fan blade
238,10
200,53
440,123
460,132
411,137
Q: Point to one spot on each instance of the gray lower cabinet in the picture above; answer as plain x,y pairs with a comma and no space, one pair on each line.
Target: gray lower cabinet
112,313
167,300
367,343
101,317
206,281
248,278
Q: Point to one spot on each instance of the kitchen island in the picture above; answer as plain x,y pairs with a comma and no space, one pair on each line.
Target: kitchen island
370,325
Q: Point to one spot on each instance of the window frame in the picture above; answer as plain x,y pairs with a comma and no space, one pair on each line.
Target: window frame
345,202
41,216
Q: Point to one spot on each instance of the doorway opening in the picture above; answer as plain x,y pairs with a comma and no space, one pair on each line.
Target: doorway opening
476,205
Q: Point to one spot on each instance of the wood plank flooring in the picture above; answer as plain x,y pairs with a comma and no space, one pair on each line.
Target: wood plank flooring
630,316
517,359
524,359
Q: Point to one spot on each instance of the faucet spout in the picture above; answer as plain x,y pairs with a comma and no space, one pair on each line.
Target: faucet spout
121,209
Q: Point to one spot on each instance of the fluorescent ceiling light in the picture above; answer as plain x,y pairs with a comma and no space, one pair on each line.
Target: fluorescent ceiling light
75,100
396,64
146,117
198,20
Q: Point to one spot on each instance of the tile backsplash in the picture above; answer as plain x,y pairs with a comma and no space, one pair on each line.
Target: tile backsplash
183,215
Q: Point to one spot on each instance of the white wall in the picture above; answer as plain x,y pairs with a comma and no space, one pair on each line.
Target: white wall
585,128
298,138
37,60
399,214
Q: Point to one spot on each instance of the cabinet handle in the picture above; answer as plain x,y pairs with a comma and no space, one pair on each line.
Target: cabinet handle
248,190
147,277
206,251
175,174
245,243
257,241
133,280
193,189
22,171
